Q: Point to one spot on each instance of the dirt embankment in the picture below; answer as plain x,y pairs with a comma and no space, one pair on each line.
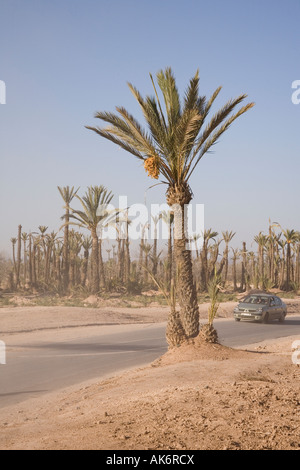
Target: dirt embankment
199,397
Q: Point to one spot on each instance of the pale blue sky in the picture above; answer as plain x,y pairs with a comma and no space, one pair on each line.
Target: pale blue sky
62,60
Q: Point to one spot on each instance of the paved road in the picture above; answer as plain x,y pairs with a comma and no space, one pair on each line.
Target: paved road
42,367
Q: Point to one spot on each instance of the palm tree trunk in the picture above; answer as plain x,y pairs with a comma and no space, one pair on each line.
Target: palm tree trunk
127,260
66,255
204,267
155,259
85,267
14,241
25,238
95,262
226,264
170,258
101,266
19,255
34,278
187,294
234,274
288,266
297,267
30,260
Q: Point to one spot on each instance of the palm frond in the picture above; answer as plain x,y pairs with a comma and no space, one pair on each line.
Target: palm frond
176,137
167,84
124,145
212,140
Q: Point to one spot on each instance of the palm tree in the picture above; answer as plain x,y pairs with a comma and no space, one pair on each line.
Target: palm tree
195,239
271,249
25,238
172,148
168,219
235,253
155,219
94,214
144,228
261,241
13,242
297,270
227,237
146,249
87,245
75,245
67,194
19,249
208,235
291,236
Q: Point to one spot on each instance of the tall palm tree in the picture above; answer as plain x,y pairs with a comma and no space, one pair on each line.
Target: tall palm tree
261,241
13,242
68,195
235,253
25,238
271,249
94,215
297,268
19,249
208,235
173,146
227,237
195,239
87,245
291,236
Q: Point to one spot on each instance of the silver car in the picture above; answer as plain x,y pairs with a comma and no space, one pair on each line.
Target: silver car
261,307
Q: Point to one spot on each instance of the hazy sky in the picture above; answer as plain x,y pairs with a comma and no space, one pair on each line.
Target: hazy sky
62,60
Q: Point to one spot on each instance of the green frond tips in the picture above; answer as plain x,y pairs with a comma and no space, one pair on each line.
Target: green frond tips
167,84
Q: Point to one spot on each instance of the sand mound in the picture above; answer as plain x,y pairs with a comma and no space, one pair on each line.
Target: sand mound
198,349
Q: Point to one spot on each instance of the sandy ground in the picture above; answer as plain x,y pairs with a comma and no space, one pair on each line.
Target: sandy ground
194,397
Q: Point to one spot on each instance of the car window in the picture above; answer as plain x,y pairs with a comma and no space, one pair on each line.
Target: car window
256,299
277,301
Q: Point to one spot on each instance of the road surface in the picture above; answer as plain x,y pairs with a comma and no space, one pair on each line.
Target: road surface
44,366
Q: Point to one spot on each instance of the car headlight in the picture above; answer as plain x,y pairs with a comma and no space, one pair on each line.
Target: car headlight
259,310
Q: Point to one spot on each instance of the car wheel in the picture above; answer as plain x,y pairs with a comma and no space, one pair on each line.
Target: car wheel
266,318
282,318
237,319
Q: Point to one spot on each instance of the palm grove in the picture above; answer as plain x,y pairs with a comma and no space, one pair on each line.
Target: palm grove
176,139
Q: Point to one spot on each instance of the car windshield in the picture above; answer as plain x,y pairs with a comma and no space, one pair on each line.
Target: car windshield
256,299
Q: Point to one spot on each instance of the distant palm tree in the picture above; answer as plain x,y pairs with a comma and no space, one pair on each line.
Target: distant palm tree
195,239
297,269
261,241
25,239
68,195
87,245
291,236
227,237
208,235
172,148
94,215
155,219
13,242
235,253
19,255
